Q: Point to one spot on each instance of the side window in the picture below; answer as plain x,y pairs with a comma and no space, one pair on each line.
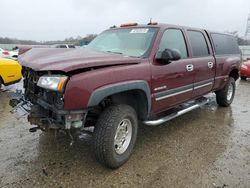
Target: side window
198,43
174,39
225,44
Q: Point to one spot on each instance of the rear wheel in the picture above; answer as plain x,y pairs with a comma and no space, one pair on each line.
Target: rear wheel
115,135
225,96
243,78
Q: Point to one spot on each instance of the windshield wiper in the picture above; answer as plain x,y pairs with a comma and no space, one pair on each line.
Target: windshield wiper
121,53
114,52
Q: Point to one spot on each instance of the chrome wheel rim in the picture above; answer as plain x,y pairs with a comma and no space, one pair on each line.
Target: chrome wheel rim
123,136
230,92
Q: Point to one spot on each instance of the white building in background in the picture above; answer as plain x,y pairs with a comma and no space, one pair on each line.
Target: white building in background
245,50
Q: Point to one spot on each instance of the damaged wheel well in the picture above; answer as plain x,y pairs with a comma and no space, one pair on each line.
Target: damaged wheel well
134,98
234,74
135,93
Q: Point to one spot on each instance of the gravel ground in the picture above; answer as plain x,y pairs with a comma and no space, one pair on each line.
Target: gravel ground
208,147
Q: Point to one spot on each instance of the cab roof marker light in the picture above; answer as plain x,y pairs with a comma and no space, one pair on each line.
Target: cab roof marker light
129,24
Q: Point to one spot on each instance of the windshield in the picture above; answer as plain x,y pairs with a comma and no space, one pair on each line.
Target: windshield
133,42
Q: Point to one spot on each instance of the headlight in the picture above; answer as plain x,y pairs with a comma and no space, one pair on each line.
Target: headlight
244,66
53,82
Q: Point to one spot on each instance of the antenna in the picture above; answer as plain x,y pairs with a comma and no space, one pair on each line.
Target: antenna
152,23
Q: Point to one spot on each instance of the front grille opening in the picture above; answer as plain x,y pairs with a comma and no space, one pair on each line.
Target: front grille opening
33,92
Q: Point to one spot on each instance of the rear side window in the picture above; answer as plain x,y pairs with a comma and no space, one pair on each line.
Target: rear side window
198,44
225,44
174,39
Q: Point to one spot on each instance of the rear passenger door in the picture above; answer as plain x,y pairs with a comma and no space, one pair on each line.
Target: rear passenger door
203,62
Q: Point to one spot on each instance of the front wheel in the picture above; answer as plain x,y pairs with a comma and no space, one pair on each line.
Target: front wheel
225,96
115,135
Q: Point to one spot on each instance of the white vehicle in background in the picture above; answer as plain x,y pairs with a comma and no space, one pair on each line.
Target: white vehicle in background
4,53
13,54
8,54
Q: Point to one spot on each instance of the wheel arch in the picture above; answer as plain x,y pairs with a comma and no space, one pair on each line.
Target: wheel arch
234,73
134,93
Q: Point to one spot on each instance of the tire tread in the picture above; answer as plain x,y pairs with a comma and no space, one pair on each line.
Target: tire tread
221,95
103,133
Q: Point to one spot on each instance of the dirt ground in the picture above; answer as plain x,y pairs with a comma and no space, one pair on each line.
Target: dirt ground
208,147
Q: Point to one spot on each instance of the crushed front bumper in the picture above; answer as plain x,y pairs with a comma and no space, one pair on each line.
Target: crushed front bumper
45,115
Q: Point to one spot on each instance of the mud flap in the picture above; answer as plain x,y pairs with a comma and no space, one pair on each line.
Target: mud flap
21,107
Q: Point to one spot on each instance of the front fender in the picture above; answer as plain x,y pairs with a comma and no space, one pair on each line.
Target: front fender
101,93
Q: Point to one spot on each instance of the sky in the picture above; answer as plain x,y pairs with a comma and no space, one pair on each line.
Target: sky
43,20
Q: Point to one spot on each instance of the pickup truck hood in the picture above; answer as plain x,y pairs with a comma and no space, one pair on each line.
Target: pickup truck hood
66,60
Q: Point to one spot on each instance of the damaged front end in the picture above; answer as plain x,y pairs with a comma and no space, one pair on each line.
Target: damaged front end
43,102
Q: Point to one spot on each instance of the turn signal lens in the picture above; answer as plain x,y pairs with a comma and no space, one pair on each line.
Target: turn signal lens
61,84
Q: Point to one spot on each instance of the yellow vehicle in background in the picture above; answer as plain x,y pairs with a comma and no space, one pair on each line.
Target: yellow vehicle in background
10,71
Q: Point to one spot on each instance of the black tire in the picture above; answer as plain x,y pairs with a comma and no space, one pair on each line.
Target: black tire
105,131
243,78
222,95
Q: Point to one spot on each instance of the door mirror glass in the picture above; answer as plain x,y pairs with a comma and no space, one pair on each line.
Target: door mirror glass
168,55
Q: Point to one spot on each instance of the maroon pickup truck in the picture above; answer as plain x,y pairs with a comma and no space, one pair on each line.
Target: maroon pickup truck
151,73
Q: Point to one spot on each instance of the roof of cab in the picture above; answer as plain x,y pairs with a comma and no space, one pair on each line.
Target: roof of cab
164,26
154,25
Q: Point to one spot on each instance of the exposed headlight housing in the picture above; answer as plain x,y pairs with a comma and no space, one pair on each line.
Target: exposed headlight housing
53,82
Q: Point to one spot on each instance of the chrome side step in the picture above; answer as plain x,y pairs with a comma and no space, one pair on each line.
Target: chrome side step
196,104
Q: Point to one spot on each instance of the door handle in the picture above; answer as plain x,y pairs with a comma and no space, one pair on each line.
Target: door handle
210,65
190,67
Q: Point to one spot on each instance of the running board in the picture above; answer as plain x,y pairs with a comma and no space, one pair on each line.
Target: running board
196,104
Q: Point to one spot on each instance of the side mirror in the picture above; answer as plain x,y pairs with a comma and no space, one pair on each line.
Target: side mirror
168,55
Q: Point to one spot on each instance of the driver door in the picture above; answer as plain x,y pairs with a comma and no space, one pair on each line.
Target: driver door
172,83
